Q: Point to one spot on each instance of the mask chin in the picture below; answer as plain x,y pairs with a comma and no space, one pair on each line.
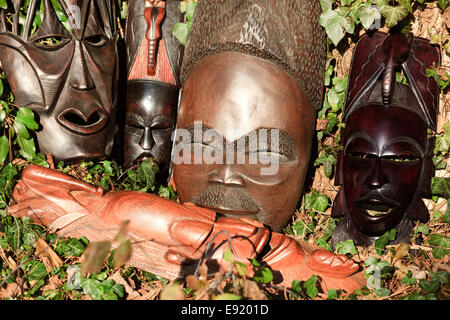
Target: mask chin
347,228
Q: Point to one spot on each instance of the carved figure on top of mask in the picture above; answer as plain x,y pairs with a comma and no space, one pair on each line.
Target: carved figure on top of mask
154,60
68,78
252,78
385,166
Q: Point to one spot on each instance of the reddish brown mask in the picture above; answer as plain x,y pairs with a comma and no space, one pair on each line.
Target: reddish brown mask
154,58
68,78
250,96
385,166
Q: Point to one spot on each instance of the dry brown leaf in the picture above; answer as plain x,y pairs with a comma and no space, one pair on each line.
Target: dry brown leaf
122,253
11,291
8,260
252,291
47,255
132,294
94,256
203,270
172,292
53,284
446,17
401,251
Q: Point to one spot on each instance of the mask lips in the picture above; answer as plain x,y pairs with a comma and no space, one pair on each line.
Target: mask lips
76,121
376,206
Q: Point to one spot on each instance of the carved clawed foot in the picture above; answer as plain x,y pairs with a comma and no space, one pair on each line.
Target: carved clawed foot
330,264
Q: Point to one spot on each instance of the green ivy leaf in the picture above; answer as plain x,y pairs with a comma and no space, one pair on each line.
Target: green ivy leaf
27,147
325,4
334,25
92,288
346,247
441,245
393,15
302,229
180,32
21,129
228,255
38,272
440,187
382,292
4,148
190,10
406,4
332,294
316,201
76,248
443,4
408,279
262,275
381,242
310,286
3,4
333,99
324,244
367,15
26,117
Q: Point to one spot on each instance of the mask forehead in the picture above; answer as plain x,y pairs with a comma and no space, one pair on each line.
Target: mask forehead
382,126
249,93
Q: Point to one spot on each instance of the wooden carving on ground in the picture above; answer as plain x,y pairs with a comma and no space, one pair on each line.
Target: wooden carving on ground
168,238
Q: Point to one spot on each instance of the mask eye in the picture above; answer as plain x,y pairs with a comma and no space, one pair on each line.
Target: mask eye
97,40
401,158
360,155
51,41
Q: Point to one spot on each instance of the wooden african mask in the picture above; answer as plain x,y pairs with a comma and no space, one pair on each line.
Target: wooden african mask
246,117
154,59
243,107
68,78
385,166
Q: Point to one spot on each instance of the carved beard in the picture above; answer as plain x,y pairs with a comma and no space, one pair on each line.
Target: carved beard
346,228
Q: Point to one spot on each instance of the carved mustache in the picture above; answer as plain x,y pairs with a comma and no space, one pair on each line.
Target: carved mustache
228,198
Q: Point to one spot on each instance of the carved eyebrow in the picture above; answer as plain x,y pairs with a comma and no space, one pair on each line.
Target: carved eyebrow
408,140
158,119
286,144
360,135
366,137
162,118
135,118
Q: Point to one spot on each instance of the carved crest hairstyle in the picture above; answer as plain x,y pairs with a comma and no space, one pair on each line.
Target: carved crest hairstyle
154,59
250,67
66,72
385,166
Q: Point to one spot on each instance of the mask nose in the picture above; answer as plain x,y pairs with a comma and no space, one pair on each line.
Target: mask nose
377,178
79,75
227,177
147,141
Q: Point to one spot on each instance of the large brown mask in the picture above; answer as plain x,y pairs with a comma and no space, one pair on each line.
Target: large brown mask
68,78
243,141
